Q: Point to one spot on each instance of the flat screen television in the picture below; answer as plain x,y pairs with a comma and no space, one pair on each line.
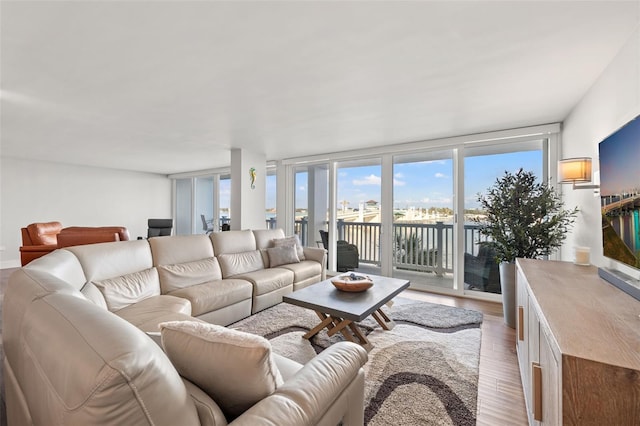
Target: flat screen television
620,202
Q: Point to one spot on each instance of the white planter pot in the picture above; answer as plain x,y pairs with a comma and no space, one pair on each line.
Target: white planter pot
508,284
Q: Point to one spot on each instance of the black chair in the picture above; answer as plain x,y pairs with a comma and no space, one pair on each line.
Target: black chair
207,225
348,255
482,272
159,227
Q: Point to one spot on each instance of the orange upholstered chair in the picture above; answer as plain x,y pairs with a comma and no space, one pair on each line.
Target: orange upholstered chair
39,239
80,235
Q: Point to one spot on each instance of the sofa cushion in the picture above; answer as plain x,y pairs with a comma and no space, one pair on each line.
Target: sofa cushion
304,270
92,293
170,250
82,365
265,237
240,263
109,260
268,280
215,295
234,368
181,275
125,290
147,314
233,242
290,241
282,255
61,264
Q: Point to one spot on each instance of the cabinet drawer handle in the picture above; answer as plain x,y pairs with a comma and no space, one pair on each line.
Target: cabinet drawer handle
520,322
536,377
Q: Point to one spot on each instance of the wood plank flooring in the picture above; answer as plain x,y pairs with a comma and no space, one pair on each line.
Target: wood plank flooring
500,399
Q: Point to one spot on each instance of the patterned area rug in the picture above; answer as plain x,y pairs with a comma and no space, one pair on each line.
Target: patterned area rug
422,372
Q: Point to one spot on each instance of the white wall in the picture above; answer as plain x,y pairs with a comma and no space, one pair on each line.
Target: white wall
612,101
35,191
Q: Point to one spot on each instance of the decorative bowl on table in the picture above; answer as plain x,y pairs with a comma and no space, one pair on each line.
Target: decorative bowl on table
352,282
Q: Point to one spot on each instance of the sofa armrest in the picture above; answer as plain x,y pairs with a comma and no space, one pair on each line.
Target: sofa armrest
314,253
318,255
307,396
43,248
29,253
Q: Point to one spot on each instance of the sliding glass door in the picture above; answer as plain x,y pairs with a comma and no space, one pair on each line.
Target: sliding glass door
202,204
423,219
311,202
203,211
482,166
358,215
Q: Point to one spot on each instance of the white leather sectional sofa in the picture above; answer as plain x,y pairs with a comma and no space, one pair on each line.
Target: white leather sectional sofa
77,348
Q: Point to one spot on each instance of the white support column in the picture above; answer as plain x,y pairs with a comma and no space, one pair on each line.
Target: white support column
333,230
318,184
386,204
458,219
248,196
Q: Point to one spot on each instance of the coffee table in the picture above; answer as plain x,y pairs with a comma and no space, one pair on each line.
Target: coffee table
340,310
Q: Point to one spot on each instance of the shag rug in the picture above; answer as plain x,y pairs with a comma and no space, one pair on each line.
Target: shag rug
422,372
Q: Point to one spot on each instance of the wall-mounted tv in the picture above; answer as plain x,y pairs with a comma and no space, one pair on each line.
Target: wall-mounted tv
620,199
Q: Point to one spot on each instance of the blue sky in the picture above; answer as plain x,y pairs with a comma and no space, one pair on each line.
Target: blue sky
426,183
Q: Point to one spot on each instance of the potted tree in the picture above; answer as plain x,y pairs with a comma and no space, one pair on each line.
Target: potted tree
524,218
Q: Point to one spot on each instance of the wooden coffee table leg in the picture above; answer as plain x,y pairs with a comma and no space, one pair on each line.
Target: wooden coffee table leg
346,327
385,322
364,342
339,325
327,321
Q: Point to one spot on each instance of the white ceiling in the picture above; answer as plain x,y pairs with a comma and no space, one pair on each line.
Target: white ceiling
172,86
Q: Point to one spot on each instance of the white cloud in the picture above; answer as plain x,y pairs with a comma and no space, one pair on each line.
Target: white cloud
302,188
368,180
397,182
398,175
440,175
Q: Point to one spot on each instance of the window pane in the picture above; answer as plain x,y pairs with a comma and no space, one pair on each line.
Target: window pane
423,228
183,206
270,213
203,216
311,202
225,201
482,167
358,216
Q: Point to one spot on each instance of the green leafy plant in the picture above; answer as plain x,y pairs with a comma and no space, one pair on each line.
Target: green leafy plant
524,218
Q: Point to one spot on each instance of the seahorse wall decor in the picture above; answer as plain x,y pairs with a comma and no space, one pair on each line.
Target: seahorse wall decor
252,175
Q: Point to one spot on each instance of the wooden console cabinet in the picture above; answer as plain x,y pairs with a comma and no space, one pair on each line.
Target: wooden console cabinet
578,343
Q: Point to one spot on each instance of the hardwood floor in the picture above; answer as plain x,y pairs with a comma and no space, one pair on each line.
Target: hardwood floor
500,399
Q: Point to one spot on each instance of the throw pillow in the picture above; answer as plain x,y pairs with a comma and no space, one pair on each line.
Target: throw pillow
120,292
234,368
284,255
290,241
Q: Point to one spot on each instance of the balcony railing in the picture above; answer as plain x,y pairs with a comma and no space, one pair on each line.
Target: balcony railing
424,247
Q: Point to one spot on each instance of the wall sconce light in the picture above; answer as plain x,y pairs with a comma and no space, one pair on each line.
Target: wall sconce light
576,170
